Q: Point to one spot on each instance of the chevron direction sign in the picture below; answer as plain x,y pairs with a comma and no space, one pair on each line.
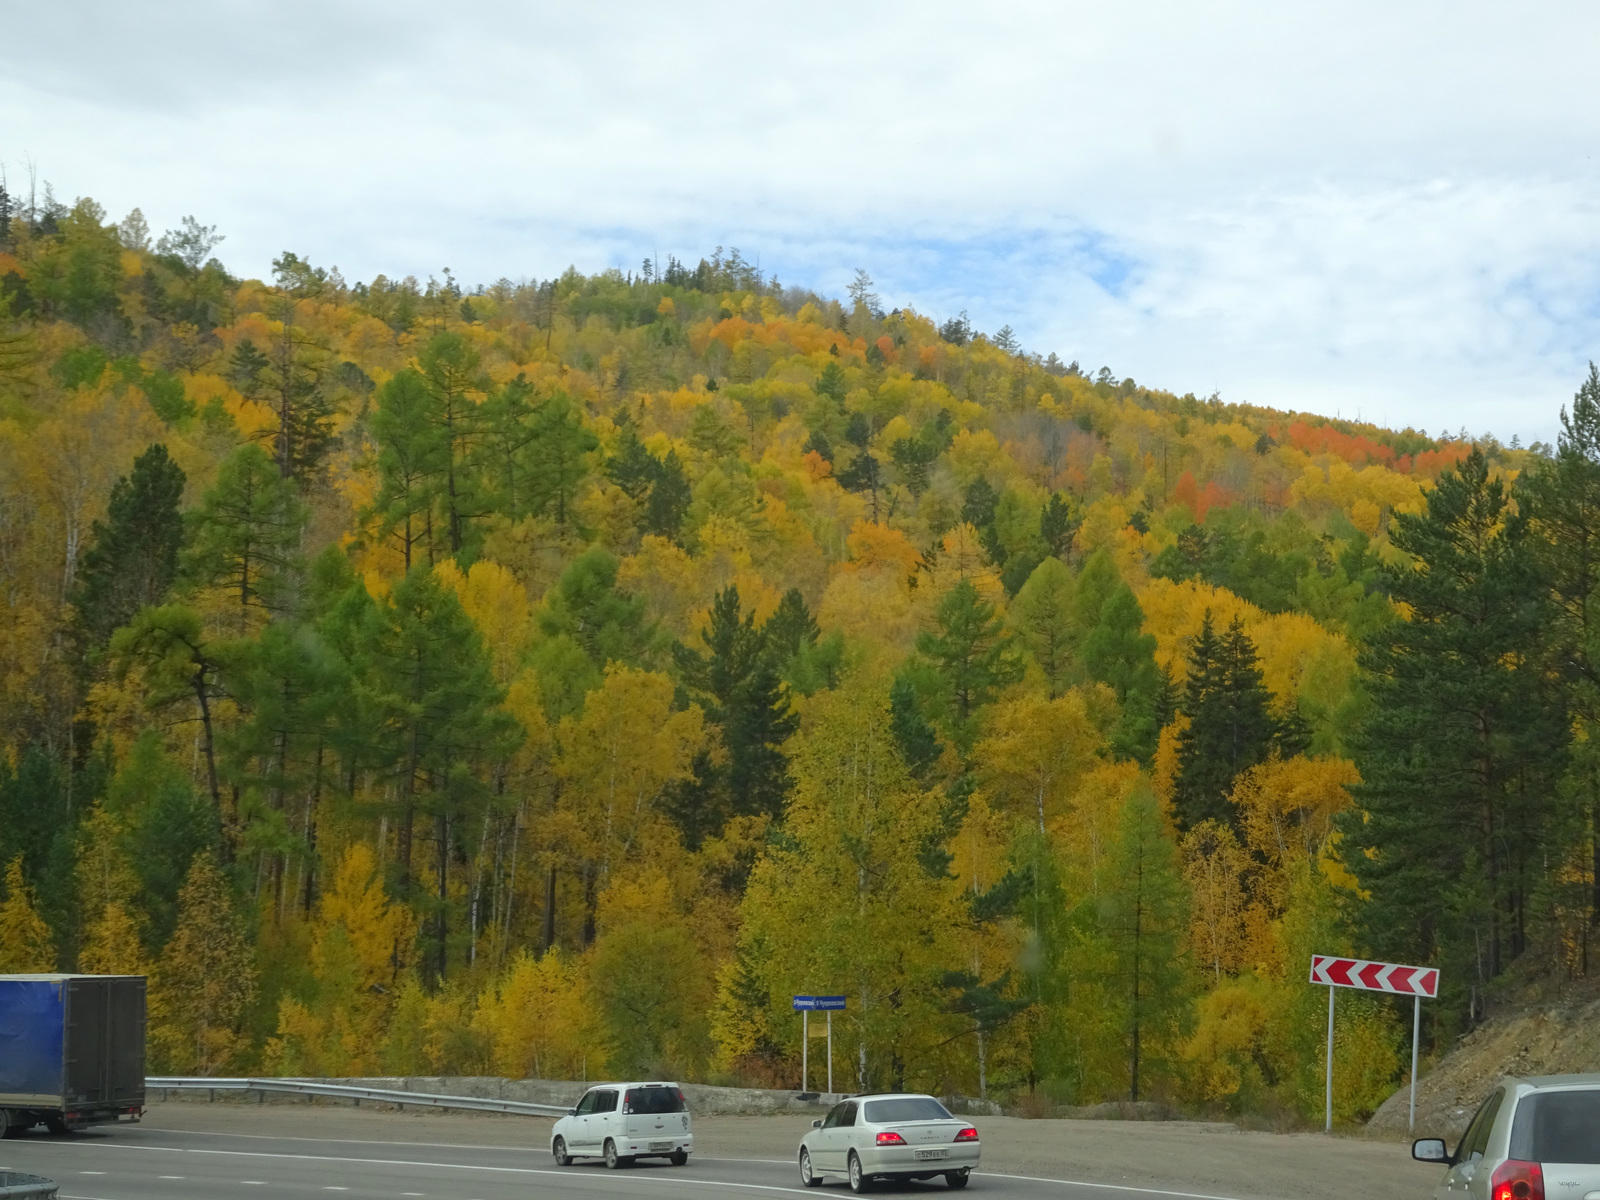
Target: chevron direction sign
1375,976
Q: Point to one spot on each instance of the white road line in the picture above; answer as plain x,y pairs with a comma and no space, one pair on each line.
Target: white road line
654,1177
575,1176
1115,1187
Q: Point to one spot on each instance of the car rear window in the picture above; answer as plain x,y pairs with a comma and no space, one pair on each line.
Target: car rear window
907,1108
655,1100
1557,1127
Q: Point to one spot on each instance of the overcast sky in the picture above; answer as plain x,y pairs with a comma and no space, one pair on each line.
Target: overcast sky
1385,210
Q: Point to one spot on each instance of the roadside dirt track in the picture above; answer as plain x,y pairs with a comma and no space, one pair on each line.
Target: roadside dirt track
1178,1156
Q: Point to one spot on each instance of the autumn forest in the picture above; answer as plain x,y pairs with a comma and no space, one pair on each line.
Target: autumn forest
550,678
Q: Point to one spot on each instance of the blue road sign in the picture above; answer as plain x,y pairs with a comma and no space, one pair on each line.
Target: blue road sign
818,1003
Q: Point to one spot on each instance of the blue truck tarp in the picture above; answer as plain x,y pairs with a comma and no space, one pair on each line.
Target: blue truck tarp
32,1033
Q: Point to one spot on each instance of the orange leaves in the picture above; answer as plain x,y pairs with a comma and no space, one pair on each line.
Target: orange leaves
1201,500
816,466
873,545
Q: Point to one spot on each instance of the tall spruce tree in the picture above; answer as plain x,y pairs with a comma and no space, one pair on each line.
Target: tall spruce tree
133,559
1464,741
737,682
1563,499
1231,728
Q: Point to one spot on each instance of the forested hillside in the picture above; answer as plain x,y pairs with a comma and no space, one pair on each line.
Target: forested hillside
552,678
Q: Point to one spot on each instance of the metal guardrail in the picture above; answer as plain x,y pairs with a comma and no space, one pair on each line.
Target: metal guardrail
17,1183
301,1087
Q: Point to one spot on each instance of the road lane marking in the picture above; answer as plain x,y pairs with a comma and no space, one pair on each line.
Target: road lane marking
579,1175
1115,1187
653,1176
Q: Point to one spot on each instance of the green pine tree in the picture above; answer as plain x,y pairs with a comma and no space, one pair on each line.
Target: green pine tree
1119,655
245,536
1230,726
1465,739
133,558
737,683
1145,915
443,728
411,461
965,662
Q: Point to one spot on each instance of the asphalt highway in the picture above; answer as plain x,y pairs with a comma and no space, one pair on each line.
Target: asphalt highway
134,1162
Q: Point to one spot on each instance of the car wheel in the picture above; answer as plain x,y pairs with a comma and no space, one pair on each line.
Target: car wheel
613,1159
858,1178
680,1158
957,1179
807,1176
559,1150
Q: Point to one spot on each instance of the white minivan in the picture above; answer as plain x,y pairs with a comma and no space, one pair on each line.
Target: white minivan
620,1122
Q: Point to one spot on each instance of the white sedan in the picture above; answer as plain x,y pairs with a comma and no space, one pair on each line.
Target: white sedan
892,1135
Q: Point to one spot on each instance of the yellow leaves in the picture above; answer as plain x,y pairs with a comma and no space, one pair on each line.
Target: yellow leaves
1214,867
1088,831
618,757
540,1020
1035,752
872,606
380,933
961,556
664,574
1295,651
874,546
498,605
111,944
1287,807
1224,1051
975,453
26,946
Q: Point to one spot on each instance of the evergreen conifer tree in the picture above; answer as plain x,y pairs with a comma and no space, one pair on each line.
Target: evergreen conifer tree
737,681
1145,916
968,659
246,532
133,558
1465,739
1230,727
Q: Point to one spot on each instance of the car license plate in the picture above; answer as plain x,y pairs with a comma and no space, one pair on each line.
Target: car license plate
661,1145
931,1153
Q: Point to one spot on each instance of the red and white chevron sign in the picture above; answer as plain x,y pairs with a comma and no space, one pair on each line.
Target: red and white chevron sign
1374,976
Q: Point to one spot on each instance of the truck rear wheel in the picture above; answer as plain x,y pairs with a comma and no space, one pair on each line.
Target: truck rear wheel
56,1123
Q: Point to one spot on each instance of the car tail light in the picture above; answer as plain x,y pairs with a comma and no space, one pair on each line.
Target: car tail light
1517,1180
890,1138
969,1134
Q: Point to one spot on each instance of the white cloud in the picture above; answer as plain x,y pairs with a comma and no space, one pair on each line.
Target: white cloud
1375,207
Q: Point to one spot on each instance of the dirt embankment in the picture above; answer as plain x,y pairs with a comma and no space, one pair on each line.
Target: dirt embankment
1553,1033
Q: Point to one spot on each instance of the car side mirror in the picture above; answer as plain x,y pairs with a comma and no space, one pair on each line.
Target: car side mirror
817,1124
572,1112
1430,1150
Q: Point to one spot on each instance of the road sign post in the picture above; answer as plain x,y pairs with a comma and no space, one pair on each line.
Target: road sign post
1393,978
805,1006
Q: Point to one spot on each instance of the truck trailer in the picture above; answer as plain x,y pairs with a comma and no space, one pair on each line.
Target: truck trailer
71,1050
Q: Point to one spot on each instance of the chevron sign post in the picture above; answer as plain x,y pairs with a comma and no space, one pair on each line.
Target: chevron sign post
1395,978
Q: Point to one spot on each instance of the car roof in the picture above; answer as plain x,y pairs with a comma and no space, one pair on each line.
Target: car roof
1553,1082
637,1083
891,1096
